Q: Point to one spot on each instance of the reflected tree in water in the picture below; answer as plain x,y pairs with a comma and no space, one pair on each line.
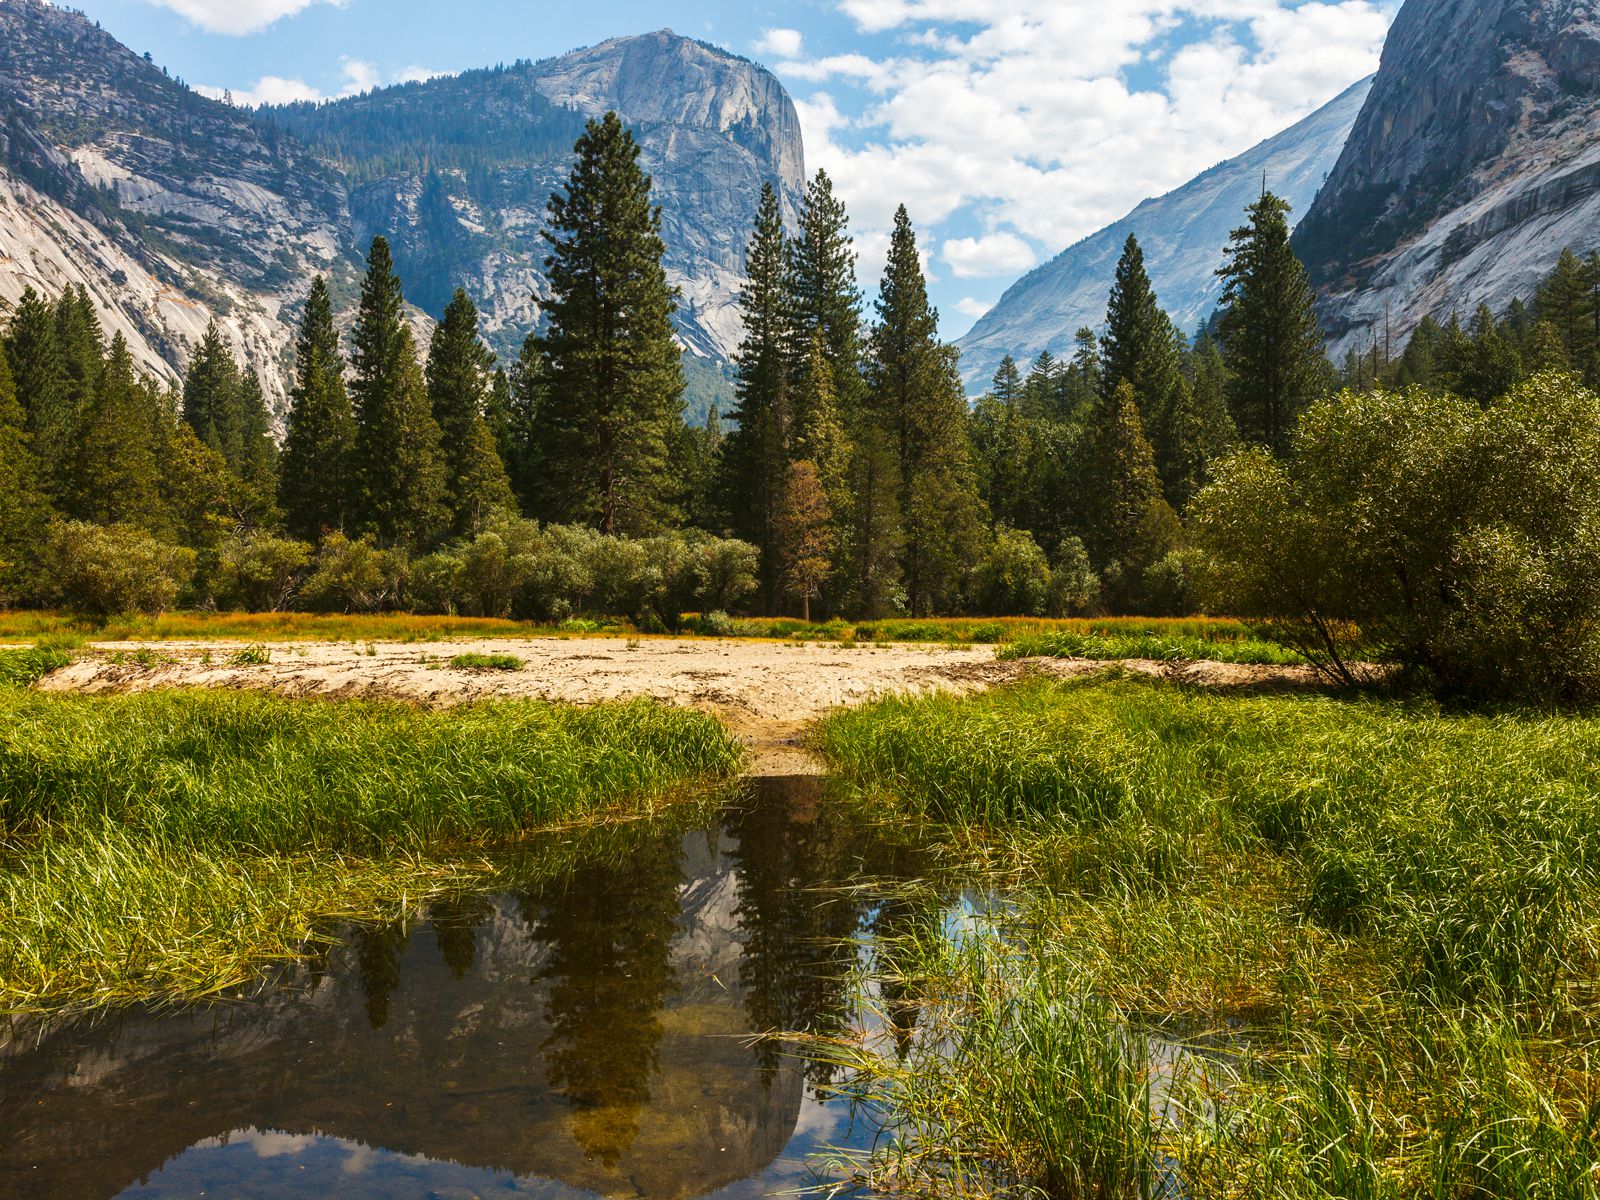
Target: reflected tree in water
456,922
609,974
379,949
792,853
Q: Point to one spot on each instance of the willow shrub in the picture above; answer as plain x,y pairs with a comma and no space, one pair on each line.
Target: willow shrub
1458,542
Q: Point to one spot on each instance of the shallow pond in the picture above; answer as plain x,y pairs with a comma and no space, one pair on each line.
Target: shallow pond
591,1034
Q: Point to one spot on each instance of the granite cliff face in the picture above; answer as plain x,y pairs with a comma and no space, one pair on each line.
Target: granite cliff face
1474,162
1183,235
173,208
169,208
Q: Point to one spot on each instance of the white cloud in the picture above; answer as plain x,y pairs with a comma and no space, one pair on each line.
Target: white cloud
782,43
970,306
1041,121
988,256
238,17
359,76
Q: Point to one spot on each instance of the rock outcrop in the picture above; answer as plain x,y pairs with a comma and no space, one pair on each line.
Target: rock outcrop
1475,161
174,209
1183,234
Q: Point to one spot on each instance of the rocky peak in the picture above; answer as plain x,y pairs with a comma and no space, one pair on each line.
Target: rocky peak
1469,93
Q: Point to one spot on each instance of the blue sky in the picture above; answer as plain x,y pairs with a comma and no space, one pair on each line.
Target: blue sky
1010,128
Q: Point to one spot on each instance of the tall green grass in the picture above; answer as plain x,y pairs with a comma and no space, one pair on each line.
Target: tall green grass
1470,845
1159,646
1397,908
162,845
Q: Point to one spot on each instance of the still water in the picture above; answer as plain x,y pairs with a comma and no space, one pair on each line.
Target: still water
591,1034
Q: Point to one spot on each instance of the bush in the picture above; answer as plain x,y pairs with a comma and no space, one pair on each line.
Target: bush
104,571
1074,587
1458,542
1013,578
353,576
257,572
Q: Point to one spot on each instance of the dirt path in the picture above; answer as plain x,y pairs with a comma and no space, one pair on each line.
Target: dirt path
767,692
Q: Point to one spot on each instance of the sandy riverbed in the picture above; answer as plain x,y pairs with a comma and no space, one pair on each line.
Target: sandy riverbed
767,692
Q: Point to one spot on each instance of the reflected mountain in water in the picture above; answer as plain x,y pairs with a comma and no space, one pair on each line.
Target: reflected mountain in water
594,1034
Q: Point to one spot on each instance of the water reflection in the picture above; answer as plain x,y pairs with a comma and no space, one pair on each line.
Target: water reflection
591,1033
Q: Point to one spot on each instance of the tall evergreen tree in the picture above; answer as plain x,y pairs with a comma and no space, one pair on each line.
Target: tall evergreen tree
805,535
1200,429
818,433
1268,328
823,296
1567,300
613,372
459,366
399,468
117,478
83,348
23,509
1130,524
227,411
876,534
315,483
1139,346
520,452
917,399
40,376
751,475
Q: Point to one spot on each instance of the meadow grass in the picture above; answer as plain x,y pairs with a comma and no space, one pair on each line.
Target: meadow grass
1160,646
165,845
1395,908
486,662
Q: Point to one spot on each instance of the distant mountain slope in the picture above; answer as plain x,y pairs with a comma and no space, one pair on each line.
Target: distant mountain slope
1183,234
1474,162
459,170
173,209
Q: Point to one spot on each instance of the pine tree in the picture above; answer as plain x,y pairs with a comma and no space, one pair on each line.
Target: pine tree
613,373
527,401
399,469
751,474
40,376
224,406
498,414
117,479
459,367
818,433
315,483
23,508
83,349
822,292
876,535
1566,300
1130,524
805,535
917,399
1200,428
1268,328
1003,438
1139,346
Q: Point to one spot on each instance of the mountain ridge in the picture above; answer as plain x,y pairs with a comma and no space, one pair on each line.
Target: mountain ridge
1184,234
174,209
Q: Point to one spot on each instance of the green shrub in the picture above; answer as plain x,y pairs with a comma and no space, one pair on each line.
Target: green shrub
486,662
105,571
257,572
1460,542
353,577
1013,577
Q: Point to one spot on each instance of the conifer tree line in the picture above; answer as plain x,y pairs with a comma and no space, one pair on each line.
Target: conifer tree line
855,478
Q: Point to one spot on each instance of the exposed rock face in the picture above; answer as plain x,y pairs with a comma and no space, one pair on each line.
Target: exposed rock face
1474,162
169,208
174,209
1183,235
